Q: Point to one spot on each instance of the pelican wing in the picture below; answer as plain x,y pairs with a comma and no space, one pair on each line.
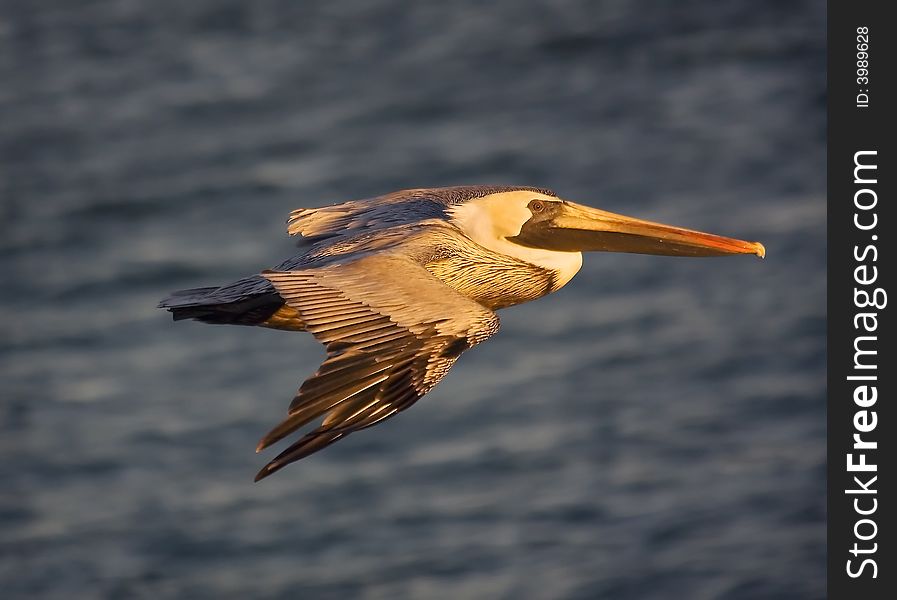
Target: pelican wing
408,206
391,330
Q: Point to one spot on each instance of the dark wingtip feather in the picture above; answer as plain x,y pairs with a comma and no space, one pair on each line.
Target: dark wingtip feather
268,469
308,444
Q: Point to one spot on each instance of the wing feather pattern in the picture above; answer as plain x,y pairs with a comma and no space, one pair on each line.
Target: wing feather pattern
391,331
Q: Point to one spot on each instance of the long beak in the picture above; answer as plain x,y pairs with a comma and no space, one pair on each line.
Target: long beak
583,228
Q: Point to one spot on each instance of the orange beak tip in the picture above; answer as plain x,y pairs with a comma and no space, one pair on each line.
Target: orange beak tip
759,250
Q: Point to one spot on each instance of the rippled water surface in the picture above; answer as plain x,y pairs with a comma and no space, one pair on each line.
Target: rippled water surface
654,430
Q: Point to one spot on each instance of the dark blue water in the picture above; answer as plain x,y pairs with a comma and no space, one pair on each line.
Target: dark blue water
654,430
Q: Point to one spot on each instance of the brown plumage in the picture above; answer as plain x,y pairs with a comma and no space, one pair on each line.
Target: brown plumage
387,345
397,287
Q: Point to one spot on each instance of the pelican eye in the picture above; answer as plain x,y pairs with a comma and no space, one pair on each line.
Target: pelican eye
537,206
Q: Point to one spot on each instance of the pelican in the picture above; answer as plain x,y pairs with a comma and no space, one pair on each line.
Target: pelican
397,287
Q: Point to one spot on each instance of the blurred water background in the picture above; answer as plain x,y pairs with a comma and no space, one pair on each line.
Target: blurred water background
654,430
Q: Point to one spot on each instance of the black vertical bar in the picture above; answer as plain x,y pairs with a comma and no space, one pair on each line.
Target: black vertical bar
862,220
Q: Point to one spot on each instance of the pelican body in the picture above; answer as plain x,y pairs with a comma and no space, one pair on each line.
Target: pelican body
398,286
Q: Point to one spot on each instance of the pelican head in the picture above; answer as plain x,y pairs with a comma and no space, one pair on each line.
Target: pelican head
523,222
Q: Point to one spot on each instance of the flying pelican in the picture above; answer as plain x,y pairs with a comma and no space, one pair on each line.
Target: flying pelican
398,286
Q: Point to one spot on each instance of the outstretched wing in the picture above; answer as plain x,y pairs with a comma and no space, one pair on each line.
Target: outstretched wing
398,208
391,330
